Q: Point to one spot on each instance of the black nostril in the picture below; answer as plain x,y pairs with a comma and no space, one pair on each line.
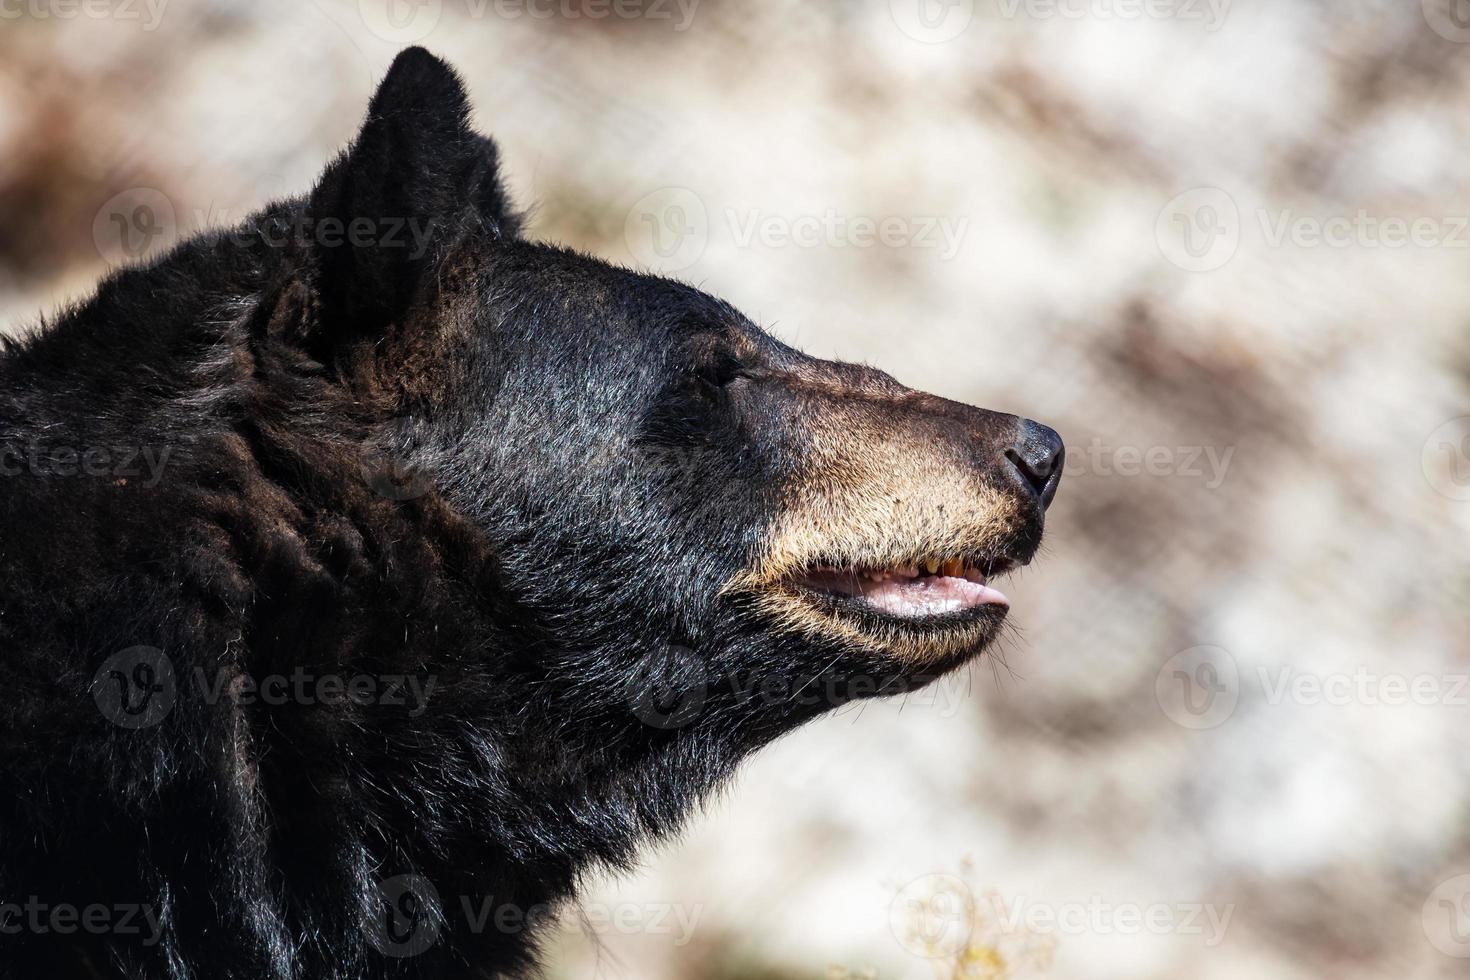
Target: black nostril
1038,455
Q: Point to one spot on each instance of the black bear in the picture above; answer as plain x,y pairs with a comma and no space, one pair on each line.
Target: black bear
370,574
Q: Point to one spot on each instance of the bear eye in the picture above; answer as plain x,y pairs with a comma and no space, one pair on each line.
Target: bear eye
719,368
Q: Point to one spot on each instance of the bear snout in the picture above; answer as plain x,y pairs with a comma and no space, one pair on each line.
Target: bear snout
900,512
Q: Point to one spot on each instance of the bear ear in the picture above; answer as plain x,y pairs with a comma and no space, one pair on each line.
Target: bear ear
413,183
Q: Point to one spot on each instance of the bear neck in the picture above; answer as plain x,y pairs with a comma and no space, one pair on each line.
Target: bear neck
287,563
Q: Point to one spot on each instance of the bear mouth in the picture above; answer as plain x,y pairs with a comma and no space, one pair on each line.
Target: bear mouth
930,590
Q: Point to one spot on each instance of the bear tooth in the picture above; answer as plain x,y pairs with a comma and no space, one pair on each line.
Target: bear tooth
954,568
931,565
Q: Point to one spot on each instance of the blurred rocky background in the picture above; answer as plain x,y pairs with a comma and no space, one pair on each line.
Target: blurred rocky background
1223,247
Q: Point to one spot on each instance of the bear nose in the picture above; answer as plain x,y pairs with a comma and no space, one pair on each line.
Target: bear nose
1037,456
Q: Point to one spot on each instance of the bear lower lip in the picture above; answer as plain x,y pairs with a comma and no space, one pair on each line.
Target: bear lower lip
905,595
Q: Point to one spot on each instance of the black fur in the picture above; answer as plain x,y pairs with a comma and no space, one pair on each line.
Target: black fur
501,467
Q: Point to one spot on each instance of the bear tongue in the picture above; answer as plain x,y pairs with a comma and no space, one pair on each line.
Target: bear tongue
932,595
911,597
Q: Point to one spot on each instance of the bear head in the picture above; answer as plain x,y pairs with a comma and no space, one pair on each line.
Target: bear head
657,475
